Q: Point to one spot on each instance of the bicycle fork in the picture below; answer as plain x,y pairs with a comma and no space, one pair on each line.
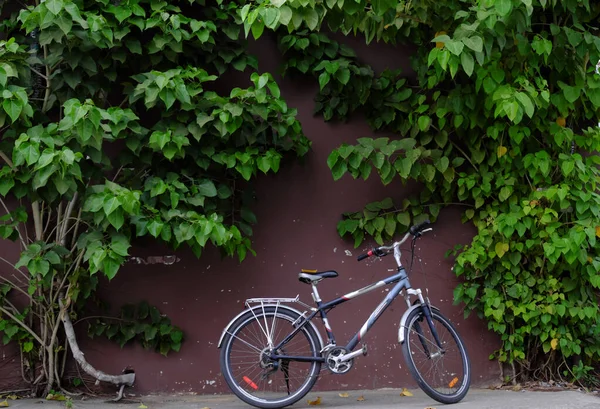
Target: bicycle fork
428,317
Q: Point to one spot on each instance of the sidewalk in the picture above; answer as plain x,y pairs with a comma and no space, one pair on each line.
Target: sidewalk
386,399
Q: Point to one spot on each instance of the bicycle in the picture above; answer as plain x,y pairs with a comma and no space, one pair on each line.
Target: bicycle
271,353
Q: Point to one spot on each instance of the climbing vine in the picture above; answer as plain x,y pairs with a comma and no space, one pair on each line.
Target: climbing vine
113,126
500,120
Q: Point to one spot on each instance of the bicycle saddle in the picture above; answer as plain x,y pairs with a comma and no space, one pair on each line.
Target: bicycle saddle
314,276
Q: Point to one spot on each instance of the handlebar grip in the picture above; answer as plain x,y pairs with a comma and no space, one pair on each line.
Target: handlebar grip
364,256
416,229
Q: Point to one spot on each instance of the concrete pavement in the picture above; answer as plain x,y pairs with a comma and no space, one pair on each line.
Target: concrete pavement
385,399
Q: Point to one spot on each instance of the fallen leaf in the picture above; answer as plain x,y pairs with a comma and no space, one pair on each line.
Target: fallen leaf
56,396
13,397
453,382
4,404
360,398
206,407
142,406
344,395
406,392
554,343
315,402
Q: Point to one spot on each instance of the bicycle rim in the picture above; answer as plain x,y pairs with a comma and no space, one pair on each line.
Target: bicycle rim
443,373
255,378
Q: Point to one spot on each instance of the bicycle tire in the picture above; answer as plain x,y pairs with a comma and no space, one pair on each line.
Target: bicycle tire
415,323
237,387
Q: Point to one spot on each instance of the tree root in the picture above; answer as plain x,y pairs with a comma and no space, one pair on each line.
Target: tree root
125,379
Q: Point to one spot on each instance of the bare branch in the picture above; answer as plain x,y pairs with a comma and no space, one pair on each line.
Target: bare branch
67,217
124,379
18,230
22,324
7,160
37,221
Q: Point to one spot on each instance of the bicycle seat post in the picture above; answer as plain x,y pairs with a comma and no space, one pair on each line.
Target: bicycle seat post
315,294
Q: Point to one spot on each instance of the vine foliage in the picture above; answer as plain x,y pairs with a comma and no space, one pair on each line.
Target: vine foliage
114,126
501,119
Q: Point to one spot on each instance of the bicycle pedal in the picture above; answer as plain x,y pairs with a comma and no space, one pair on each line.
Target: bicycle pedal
364,350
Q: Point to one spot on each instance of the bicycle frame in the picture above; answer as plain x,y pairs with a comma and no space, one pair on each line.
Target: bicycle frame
402,283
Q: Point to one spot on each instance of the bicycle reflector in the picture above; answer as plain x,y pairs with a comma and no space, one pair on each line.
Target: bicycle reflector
250,383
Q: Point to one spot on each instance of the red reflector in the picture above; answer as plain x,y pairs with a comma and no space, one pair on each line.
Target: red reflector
250,383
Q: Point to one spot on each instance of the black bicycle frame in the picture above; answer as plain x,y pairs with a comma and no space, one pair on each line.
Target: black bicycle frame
401,278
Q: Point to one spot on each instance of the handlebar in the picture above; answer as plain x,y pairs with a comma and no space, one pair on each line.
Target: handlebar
415,230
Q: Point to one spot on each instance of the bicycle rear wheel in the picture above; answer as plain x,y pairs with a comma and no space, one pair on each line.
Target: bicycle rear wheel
256,379
443,372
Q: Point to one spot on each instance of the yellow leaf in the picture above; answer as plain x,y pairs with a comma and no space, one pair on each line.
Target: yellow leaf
598,231
13,397
360,398
439,44
560,121
502,151
501,249
142,406
554,343
315,402
406,392
344,395
4,404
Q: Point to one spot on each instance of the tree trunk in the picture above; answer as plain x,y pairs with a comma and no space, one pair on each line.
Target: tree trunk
125,379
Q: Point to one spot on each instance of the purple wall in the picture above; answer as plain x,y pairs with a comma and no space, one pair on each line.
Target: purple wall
298,210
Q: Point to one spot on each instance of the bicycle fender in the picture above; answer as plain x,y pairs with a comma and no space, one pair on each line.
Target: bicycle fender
405,318
258,307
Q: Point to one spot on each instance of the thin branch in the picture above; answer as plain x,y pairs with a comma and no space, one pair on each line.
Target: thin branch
465,155
18,231
7,160
15,267
65,223
38,73
37,221
22,324
16,287
76,229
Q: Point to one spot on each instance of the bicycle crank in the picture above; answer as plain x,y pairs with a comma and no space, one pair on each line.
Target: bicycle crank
339,360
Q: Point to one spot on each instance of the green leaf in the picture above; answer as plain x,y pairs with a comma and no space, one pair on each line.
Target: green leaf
455,47
13,108
54,6
285,15
116,218
323,80
111,204
475,43
207,188
526,103
311,17
467,62
503,7
424,123
110,267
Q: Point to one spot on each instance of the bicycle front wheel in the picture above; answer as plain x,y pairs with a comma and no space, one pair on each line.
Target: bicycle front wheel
441,369
258,380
